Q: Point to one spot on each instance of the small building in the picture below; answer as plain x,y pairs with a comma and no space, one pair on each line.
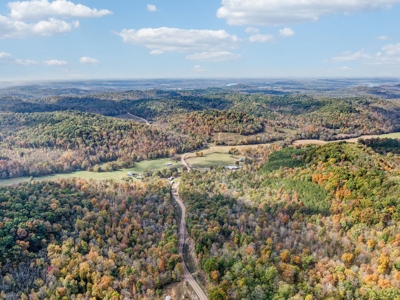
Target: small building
169,164
168,298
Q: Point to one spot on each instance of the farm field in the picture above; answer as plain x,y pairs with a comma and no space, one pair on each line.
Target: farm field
156,164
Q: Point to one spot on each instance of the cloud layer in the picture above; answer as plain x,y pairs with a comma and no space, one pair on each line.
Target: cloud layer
281,12
180,40
8,59
389,55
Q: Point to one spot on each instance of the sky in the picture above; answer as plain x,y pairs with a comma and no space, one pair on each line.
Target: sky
99,39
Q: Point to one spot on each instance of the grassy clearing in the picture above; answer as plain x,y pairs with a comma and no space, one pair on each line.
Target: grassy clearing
227,137
225,149
211,160
156,164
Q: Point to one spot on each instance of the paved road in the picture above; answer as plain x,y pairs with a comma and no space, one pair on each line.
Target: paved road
182,230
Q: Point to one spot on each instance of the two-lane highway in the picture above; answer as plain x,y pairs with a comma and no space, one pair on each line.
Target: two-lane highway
182,234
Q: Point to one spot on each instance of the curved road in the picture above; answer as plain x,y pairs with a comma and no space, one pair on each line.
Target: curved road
182,230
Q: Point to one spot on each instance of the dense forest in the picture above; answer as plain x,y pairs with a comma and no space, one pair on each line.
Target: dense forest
45,143
205,123
74,239
310,223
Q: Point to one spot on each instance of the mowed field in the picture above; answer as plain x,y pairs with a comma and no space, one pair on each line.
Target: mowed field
156,164
211,160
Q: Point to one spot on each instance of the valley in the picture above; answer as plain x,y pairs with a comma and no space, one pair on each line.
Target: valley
310,180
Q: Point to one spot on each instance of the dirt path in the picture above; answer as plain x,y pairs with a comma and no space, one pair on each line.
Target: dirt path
185,163
139,118
182,233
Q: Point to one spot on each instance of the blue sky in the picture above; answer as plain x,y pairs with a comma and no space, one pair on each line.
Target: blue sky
91,39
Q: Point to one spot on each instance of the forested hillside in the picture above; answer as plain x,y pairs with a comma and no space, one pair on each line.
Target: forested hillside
300,116
211,121
45,143
311,223
74,239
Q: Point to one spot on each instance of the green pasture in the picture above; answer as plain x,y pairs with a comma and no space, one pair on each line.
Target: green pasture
156,164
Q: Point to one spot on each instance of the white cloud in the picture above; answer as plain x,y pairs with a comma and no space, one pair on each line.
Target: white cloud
261,38
281,12
382,37
39,18
40,9
180,40
156,52
348,56
285,32
216,56
10,28
252,30
198,69
151,7
88,61
8,59
55,62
